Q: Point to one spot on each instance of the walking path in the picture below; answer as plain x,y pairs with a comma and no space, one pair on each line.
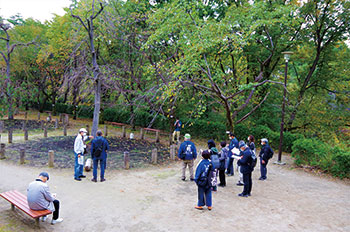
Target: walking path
155,199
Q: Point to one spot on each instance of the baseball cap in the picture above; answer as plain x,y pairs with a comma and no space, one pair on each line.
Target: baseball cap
83,130
187,136
241,144
45,174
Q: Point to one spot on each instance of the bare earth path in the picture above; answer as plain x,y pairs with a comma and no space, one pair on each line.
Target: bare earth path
155,199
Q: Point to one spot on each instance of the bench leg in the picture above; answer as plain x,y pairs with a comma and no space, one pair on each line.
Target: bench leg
12,206
37,222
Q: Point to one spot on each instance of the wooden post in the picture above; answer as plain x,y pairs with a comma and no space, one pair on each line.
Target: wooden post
157,136
1,126
56,123
142,132
65,130
51,158
67,119
24,125
170,139
126,160
25,134
42,124
123,131
61,117
22,153
154,156
88,130
172,152
45,132
2,151
50,117
26,115
38,116
10,135
106,131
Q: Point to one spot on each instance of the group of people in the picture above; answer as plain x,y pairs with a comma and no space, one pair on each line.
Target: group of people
39,196
215,163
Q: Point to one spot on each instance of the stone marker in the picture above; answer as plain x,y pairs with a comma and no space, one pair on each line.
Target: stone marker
51,158
2,151
172,152
10,135
154,156
126,160
22,154
61,117
56,123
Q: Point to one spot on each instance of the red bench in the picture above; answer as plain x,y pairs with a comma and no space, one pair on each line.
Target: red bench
19,200
116,124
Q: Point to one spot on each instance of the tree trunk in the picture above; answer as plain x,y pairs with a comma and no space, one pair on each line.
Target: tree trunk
9,90
228,117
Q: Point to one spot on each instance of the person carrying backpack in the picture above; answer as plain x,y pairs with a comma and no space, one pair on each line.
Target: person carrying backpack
203,181
245,163
99,147
214,158
266,153
223,158
188,153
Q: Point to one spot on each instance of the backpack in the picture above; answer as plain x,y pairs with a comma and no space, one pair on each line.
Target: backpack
188,152
98,150
270,153
204,179
215,160
253,161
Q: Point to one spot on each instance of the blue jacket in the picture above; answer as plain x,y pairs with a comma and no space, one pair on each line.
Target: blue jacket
245,161
99,141
233,144
182,151
202,166
178,125
265,153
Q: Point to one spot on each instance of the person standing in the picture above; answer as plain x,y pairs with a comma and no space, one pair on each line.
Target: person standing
79,152
246,169
188,153
177,130
251,143
223,157
266,153
40,198
233,144
214,158
99,147
204,187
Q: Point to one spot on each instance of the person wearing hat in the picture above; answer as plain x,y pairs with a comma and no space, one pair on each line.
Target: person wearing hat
188,153
246,170
79,151
40,198
266,153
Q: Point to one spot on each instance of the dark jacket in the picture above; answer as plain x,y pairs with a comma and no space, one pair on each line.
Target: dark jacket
245,161
252,146
178,125
182,154
97,142
265,153
202,166
233,144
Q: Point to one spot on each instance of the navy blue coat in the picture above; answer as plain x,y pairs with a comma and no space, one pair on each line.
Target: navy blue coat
182,151
233,144
245,161
265,153
96,142
202,166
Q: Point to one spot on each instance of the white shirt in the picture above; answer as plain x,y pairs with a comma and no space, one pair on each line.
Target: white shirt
79,144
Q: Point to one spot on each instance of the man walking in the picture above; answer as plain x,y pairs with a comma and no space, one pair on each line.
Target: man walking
266,153
99,147
177,130
188,153
79,151
40,198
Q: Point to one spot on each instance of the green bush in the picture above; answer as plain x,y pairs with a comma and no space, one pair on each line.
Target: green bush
341,165
207,129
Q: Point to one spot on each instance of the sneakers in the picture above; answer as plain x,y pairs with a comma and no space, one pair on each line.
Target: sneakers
103,180
192,179
43,218
242,195
239,184
262,178
93,180
199,207
82,176
183,178
210,208
77,179
58,220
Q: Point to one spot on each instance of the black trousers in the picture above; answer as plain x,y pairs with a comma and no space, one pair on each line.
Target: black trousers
247,180
56,213
222,177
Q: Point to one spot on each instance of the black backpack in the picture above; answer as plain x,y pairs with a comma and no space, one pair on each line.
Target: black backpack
204,179
253,160
98,150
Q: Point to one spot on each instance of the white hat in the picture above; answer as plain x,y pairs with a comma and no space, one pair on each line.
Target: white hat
83,130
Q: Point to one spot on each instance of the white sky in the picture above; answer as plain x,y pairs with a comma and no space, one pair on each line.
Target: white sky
37,9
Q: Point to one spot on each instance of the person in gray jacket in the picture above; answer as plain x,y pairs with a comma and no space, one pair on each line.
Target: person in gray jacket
40,198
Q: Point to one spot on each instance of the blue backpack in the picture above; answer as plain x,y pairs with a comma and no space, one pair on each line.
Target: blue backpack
215,160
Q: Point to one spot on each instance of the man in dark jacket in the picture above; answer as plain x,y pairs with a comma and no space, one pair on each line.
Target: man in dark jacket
99,147
233,144
188,153
266,153
245,162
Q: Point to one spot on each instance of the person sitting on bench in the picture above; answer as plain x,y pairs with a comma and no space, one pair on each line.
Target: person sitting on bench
40,198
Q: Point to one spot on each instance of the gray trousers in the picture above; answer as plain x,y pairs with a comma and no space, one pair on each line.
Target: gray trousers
190,164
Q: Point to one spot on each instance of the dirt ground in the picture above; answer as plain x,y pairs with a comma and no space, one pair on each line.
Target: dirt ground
155,199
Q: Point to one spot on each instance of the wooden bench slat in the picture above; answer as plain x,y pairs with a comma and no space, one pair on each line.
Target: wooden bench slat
20,201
